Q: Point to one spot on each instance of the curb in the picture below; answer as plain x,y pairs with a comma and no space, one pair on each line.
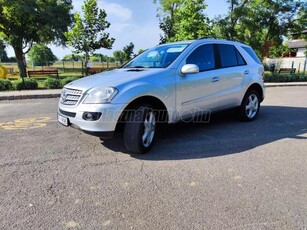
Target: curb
21,97
268,85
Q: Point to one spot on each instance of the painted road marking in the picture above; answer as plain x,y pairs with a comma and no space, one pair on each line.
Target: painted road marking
27,123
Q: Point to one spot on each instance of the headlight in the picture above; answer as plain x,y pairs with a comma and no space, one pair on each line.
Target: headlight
100,95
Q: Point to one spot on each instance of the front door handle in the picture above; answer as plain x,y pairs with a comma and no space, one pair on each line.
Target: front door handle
215,79
246,72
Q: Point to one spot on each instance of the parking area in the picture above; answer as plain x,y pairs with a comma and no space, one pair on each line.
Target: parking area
219,175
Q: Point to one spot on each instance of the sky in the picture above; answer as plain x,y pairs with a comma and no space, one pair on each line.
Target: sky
132,21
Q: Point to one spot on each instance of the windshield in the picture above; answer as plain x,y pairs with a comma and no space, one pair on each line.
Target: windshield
157,57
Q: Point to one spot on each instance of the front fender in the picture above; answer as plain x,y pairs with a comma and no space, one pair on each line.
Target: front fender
133,91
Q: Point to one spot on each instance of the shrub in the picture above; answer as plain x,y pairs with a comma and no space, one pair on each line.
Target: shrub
285,78
5,85
68,80
52,83
30,83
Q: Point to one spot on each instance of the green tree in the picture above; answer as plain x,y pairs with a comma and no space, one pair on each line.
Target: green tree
183,20
261,23
301,25
41,55
120,56
99,58
140,51
191,23
12,59
3,54
128,49
72,57
23,23
111,59
167,18
88,33
279,51
95,58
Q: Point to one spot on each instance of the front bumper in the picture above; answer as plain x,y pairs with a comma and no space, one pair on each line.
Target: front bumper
104,126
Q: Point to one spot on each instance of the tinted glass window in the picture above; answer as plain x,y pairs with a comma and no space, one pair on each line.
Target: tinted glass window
228,56
203,57
157,57
251,52
240,59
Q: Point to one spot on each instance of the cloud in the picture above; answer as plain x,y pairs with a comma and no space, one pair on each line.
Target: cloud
116,11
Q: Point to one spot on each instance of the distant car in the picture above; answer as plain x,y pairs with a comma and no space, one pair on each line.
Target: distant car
176,80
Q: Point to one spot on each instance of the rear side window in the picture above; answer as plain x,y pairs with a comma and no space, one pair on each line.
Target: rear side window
240,59
203,57
230,56
251,52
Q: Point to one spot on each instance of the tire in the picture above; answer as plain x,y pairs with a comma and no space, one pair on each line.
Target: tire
140,129
250,106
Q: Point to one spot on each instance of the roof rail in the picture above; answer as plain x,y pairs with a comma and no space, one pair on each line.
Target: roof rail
220,38
211,38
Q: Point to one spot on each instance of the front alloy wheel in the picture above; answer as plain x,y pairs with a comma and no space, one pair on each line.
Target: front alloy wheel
140,129
149,129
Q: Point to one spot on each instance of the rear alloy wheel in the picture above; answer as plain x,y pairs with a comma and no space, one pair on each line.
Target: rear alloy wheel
140,129
250,106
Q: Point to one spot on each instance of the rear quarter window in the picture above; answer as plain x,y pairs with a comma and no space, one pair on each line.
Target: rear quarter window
252,53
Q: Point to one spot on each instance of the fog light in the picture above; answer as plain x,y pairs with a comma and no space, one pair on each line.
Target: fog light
89,116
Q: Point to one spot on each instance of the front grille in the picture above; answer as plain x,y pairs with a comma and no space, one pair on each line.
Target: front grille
70,96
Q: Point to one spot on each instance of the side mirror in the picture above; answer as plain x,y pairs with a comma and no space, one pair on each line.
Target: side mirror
189,69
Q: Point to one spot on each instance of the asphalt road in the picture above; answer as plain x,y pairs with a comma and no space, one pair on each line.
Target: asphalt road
221,175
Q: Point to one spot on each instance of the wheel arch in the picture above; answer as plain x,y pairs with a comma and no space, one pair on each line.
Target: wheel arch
151,100
257,88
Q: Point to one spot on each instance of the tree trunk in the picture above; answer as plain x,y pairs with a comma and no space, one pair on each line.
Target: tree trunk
21,62
267,37
86,63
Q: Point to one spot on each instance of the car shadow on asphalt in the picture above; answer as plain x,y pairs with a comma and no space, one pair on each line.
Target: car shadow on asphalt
223,135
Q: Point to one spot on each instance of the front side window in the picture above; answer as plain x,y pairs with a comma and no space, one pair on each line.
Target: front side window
157,57
203,57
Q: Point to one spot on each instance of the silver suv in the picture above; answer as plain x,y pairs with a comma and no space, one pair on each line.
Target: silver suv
166,83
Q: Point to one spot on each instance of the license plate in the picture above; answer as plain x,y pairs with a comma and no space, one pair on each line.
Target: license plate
63,120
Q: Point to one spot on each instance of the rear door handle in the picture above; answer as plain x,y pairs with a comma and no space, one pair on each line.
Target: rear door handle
215,79
246,72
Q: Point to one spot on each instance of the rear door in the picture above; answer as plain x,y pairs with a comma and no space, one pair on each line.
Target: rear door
233,69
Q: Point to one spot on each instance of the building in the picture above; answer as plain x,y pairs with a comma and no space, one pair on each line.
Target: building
300,45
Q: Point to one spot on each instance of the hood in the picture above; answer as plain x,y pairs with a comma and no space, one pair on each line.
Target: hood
112,78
